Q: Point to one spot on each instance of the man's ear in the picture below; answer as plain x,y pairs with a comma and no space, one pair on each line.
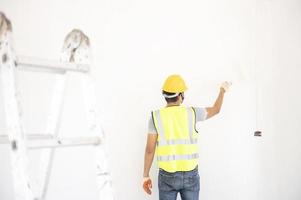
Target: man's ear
182,95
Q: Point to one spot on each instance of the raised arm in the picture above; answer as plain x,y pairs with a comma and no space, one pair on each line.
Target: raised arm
215,109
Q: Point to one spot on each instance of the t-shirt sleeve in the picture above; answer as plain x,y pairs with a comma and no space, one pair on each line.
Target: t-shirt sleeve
151,126
200,114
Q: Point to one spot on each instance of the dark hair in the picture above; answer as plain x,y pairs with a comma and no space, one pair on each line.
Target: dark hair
170,100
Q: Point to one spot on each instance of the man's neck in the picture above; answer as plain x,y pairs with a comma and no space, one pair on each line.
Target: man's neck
173,104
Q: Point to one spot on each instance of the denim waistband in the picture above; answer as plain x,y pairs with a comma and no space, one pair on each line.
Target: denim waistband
192,172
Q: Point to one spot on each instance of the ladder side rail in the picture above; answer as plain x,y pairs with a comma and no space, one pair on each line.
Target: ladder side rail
16,136
103,177
52,128
104,181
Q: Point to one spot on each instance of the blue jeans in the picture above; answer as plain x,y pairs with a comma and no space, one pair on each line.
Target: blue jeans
185,183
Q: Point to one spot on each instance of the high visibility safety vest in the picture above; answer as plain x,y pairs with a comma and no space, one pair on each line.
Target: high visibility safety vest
177,148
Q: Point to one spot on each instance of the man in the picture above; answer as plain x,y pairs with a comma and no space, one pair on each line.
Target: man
173,136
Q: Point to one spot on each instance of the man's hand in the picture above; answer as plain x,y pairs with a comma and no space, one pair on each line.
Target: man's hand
147,185
215,109
225,86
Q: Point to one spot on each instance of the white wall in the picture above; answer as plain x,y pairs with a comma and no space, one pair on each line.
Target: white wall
278,63
136,44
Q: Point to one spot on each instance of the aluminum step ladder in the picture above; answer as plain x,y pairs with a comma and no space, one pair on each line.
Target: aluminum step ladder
75,58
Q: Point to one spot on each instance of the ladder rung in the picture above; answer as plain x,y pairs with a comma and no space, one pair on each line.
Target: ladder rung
39,142
4,138
65,142
43,65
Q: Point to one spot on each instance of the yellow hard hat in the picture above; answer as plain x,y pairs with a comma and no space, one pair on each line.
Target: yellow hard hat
174,84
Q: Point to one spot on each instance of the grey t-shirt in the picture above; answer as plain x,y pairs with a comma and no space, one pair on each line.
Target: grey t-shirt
200,115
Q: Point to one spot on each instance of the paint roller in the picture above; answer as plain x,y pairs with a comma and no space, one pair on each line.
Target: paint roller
244,73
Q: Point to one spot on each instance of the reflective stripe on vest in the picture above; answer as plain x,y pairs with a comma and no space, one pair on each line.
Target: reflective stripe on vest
159,126
178,157
175,142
